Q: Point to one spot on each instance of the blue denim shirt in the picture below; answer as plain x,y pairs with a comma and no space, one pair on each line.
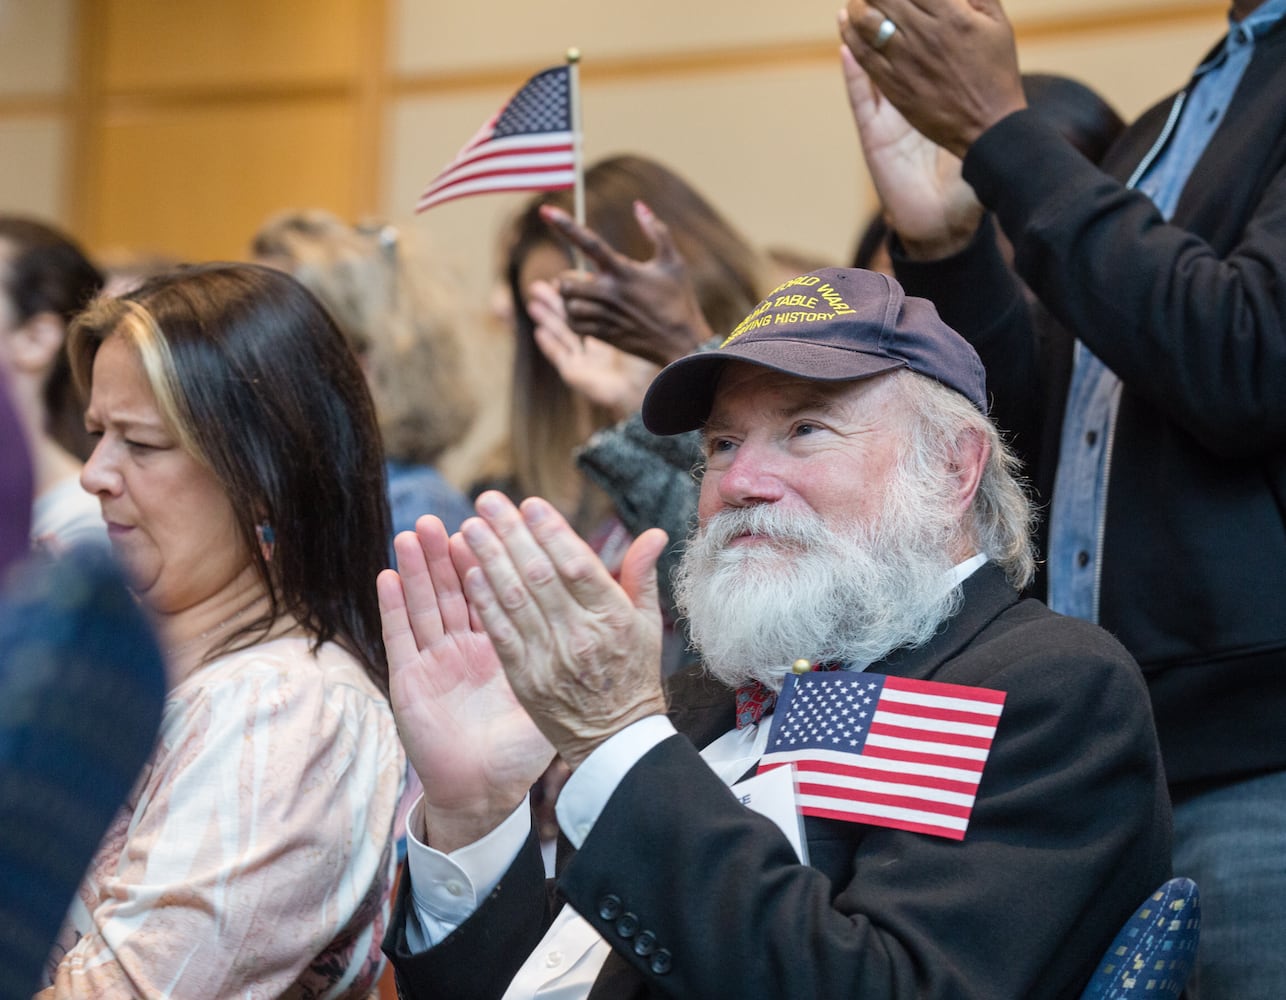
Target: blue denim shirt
1089,420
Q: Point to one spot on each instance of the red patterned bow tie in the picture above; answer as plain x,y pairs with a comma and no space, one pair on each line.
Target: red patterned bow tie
754,701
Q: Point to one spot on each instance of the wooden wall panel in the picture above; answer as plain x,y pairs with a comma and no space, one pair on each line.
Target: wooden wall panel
36,79
774,149
431,36
197,181
182,44
35,46
1132,67
32,167
1027,12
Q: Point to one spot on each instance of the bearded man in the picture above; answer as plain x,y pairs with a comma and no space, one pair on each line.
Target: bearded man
858,511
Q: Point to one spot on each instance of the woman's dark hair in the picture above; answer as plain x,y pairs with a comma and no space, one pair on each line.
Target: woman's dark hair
47,272
872,240
729,276
259,384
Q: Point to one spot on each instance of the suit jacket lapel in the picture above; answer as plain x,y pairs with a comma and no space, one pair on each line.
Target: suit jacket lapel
701,708
986,595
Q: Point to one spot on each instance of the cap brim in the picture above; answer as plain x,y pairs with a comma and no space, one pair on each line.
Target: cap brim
680,397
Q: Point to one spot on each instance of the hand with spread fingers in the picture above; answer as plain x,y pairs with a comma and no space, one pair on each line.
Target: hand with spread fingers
646,308
925,199
603,374
474,747
949,66
582,651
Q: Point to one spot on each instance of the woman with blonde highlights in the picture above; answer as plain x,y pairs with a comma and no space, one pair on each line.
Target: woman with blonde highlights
239,470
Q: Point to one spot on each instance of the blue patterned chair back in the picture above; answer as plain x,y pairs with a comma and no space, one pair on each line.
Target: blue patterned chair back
1153,953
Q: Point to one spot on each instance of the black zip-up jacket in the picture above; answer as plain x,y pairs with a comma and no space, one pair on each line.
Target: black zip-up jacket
1191,316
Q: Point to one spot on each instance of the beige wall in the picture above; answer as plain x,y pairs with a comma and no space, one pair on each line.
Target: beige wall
37,83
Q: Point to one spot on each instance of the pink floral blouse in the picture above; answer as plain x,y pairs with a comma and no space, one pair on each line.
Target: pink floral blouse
254,856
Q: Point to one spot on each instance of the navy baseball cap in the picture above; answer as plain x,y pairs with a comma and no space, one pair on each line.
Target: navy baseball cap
832,325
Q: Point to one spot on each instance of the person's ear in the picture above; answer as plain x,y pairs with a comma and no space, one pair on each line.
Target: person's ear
972,450
34,346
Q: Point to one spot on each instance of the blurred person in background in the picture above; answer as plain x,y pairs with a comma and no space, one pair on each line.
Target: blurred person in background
45,280
402,320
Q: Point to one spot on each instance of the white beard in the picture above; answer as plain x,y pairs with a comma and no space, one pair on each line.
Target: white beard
850,596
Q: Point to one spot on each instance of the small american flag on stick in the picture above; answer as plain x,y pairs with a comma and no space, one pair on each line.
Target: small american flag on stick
888,751
529,145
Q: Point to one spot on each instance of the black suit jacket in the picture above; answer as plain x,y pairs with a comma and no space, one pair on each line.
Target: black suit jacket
701,898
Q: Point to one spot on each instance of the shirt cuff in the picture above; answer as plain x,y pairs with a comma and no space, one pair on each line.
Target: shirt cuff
583,798
446,888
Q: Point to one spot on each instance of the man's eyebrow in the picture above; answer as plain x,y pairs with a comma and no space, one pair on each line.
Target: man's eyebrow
827,404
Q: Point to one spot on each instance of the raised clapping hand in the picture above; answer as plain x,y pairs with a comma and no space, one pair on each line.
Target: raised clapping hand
951,67
648,309
582,652
601,373
471,742
926,201
503,639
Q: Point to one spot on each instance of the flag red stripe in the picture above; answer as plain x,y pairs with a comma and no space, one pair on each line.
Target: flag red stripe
943,690
530,172
930,736
896,824
856,770
881,765
521,164
519,184
889,753
484,152
523,159
884,799
940,714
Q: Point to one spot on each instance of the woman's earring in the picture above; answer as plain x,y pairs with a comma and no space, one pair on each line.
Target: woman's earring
267,539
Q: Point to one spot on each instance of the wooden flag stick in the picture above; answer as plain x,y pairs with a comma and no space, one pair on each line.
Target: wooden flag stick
578,156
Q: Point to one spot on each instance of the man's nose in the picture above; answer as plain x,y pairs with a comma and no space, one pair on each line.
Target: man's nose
753,476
